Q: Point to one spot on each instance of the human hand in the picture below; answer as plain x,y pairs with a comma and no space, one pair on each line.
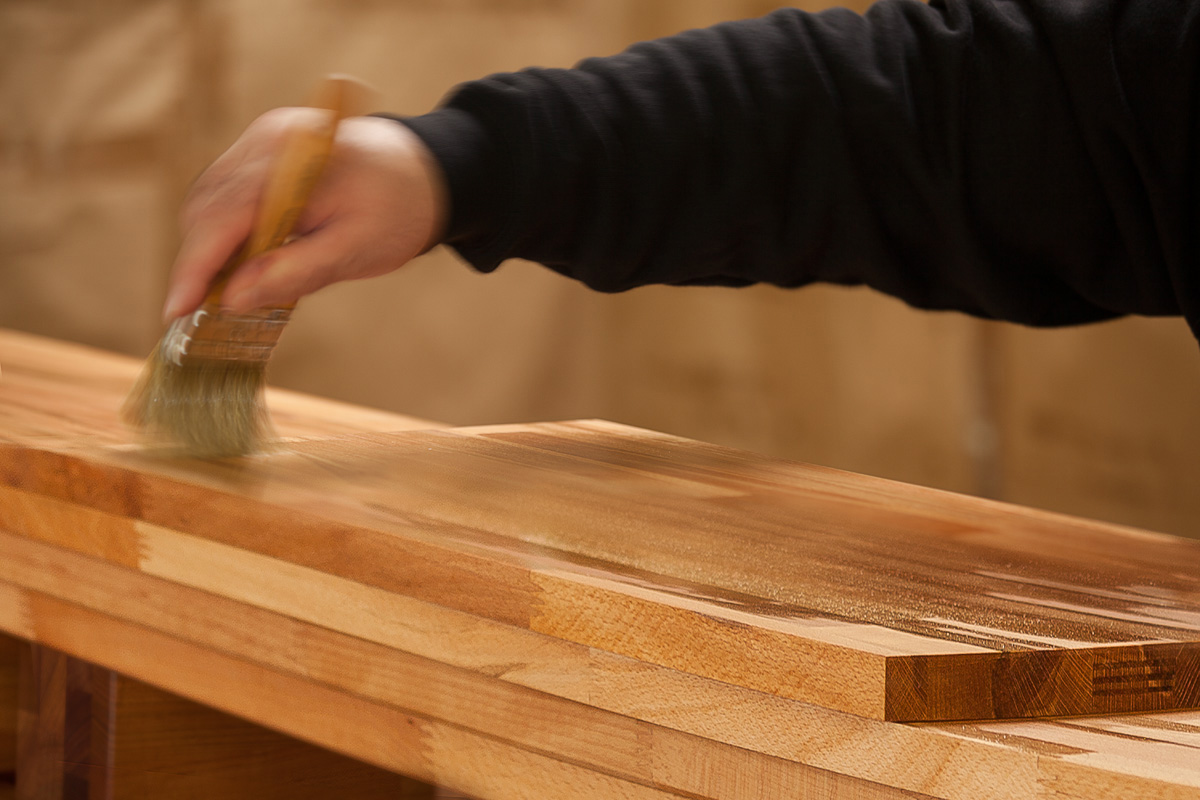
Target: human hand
380,202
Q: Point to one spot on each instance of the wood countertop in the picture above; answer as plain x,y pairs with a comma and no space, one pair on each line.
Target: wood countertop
587,609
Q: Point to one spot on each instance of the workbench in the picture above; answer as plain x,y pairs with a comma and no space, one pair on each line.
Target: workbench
569,610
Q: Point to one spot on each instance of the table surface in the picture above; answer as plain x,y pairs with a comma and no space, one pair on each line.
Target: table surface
594,607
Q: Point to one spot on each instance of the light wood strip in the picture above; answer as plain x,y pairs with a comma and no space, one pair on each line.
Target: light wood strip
1142,756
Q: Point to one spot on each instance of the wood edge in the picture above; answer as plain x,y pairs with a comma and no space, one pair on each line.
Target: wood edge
480,578
715,643
1087,681
129,542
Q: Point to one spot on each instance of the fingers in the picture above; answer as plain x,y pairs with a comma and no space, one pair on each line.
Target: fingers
207,247
287,273
380,202
218,214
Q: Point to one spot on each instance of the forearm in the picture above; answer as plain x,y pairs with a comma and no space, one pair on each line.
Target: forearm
982,156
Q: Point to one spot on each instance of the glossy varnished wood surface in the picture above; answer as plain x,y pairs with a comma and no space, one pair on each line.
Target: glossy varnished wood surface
512,595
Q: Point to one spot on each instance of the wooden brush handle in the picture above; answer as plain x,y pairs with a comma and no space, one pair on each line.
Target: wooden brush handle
302,158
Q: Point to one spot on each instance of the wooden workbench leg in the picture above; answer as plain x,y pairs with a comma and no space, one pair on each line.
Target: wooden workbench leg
86,733
64,720
8,715
170,748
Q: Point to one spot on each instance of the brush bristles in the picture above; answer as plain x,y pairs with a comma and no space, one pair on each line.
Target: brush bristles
209,409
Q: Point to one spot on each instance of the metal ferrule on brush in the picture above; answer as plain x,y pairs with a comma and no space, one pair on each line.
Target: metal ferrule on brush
214,335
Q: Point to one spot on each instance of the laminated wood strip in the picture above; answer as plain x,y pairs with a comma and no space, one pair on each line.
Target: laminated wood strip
1159,755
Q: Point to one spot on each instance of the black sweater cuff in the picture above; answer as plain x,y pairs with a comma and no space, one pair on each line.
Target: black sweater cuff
467,156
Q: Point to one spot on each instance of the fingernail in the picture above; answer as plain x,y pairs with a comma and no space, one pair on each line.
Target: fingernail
171,307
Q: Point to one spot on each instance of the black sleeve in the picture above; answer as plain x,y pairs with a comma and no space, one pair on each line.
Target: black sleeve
1028,160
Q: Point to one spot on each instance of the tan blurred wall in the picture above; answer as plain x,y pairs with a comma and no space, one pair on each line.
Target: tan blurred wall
107,110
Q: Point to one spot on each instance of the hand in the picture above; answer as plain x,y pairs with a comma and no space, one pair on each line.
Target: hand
380,202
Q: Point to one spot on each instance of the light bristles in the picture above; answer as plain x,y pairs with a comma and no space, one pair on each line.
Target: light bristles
207,409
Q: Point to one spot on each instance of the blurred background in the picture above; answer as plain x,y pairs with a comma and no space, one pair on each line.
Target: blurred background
108,110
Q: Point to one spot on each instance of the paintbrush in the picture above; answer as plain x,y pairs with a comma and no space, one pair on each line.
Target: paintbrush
202,387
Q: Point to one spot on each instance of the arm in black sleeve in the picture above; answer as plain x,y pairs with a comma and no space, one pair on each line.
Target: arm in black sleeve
1028,160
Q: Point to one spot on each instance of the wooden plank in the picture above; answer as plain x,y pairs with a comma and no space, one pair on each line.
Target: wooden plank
925,665
867,596
1159,754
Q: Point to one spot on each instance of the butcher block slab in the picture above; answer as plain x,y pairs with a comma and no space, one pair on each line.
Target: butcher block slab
581,610
861,595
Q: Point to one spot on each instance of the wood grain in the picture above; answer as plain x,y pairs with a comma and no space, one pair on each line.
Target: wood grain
777,576
65,747
422,747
